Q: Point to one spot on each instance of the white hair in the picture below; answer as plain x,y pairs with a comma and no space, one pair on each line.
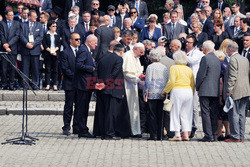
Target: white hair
153,15
128,19
90,38
180,57
71,16
162,50
209,45
194,15
233,46
75,7
139,45
248,15
155,55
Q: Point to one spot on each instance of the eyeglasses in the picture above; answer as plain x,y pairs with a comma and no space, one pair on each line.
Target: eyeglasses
95,3
54,26
204,1
132,12
77,39
189,42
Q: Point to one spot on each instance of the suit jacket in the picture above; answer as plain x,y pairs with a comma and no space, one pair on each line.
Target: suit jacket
156,35
138,25
38,38
208,27
170,34
10,36
236,80
230,31
66,34
47,6
68,6
47,42
119,20
67,62
202,37
110,72
224,5
208,76
165,60
143,9
84,72
104,35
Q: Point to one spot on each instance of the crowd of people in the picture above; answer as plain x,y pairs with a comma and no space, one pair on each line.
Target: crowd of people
130,63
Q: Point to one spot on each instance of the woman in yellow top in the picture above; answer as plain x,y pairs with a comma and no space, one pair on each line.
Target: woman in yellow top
181,85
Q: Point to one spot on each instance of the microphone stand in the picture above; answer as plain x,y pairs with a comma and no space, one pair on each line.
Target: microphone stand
25,139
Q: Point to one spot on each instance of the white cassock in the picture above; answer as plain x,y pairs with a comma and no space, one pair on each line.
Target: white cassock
132,70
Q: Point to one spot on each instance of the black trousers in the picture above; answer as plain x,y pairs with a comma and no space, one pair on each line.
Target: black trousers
156,118
143,112
209,115
51,66
70,99
105,115
8,68
82,110
33,61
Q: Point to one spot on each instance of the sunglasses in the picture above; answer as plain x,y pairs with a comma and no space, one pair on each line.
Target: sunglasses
95,4
204,1
77,39
197,11
111,10
132,12
54,26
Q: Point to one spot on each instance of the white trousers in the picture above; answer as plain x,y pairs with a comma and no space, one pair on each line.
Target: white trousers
182,110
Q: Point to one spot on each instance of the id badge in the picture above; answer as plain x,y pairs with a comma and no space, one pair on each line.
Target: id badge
53,50
31,38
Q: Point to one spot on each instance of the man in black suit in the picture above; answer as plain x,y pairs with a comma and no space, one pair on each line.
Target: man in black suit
109,74
141,7
86,21
207,87
246,44
67,61
235,29
221,5
83,78
95,4
127,36
207,25
69,29
121,16
104,35
69,4
31,36
76,10
9,34
25,15
173,29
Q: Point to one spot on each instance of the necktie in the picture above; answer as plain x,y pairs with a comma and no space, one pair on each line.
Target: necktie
31,27
122,21
75,51
236,31
9,25
220,6
44,27
137,6
173,27
244,53
87,27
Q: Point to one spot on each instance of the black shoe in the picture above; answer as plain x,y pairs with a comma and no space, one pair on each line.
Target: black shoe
227,137
206,139
87,135
192,132
112,138
221,138
5,88
137,136
12,88
66,132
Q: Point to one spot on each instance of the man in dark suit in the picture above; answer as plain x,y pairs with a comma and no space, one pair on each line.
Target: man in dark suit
46,6
84,73
104,35
221,5
246,44
67,61
111,13
95,4
235,29
69,29
86,21
76,11
137,22
31,36
110,74
25,15
141,7
173,29
207,25
126,39
9,34
208,86
69,4
121,16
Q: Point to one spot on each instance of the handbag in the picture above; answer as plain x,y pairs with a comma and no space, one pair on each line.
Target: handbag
167,105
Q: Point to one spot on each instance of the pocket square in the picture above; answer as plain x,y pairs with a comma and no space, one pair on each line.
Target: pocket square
37,29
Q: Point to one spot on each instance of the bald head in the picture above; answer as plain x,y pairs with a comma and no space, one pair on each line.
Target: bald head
91,41
107,20
101,20
175,45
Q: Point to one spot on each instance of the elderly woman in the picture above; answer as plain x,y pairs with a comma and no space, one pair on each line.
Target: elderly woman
151,32
156,79
181,85
218,36
193,18
200,36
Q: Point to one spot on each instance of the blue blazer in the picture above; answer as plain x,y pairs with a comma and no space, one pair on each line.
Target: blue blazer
67,62
138,25
84,71
38,38
156,35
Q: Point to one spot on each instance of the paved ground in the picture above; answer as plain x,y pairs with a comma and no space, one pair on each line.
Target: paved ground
53,149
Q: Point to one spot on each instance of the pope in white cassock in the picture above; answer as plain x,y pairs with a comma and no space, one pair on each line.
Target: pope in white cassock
132,71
